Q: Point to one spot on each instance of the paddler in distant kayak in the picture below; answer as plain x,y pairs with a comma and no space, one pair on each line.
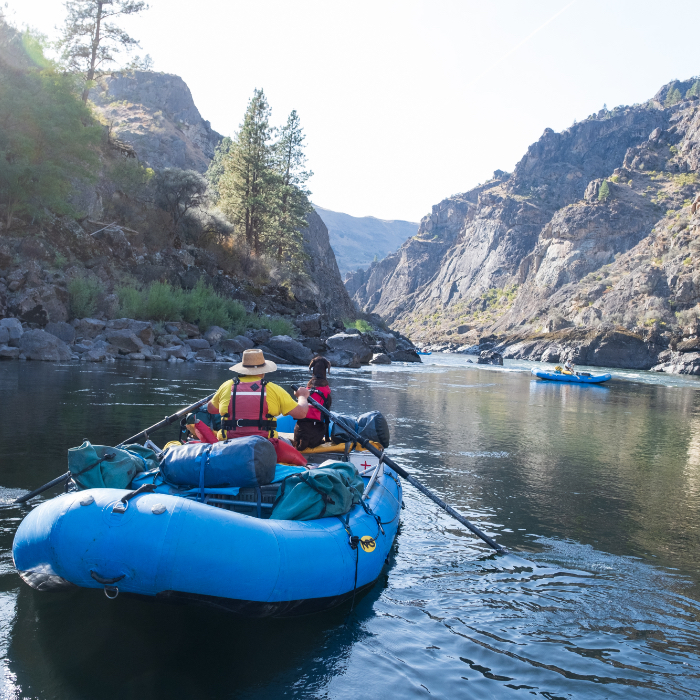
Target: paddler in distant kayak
569,367
249,404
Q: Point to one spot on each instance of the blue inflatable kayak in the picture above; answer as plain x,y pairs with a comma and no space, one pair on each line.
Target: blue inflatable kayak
171,545
578,378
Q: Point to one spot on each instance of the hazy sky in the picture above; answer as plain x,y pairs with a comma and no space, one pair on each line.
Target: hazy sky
407,102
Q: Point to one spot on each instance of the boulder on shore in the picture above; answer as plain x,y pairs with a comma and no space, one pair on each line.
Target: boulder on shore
230,346
206,355
259,336
269,355
343,358
291,350
245,343
309,325
215,334
380,359
125,341
40,345
88,327
8,353
14,329
490,357
197,343
62,330
405,356
351,343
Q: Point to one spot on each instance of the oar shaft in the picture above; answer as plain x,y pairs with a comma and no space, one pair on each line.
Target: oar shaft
411,479
134,438
449,509
169,420
55,482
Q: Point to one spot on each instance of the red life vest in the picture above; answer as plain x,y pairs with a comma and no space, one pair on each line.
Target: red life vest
247,411
320,394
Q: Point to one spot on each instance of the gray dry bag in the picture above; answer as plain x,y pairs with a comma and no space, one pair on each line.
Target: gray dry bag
243,462
374,427
338,432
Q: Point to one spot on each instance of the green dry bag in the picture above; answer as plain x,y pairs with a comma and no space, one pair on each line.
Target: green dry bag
98,467
319,493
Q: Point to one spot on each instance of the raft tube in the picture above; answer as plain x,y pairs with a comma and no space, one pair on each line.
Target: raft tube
173,548
572,378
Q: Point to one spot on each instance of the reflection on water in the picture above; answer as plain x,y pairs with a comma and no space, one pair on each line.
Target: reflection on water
595,489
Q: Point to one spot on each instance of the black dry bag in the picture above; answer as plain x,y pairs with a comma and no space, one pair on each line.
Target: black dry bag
374,427
338,432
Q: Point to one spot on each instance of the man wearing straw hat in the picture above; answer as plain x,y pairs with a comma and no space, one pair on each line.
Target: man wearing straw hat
249,404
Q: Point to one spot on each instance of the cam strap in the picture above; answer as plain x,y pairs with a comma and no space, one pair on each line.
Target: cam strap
123,503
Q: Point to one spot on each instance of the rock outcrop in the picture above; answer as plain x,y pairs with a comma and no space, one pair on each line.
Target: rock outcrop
323,288
155,115
594,230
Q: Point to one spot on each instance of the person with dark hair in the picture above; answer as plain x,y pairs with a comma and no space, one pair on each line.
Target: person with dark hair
312,430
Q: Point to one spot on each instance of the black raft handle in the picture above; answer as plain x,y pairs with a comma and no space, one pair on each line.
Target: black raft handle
105,581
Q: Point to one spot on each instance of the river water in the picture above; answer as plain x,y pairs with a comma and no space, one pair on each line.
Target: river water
596,490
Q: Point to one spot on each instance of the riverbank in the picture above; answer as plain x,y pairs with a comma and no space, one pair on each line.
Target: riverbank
96,340
646,348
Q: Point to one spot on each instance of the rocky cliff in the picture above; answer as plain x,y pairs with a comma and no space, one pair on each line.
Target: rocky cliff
156,115
594,230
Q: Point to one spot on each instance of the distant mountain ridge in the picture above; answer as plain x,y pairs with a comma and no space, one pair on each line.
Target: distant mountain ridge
357,239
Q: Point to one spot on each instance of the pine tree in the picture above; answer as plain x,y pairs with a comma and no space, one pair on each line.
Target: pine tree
604,191
694,90
247,186
673,97
292,197
217,166
89,40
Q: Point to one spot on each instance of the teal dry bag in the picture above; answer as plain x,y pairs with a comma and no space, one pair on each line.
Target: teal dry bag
319,493
99,467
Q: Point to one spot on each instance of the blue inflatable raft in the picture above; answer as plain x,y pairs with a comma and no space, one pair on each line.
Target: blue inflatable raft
578,378
171,545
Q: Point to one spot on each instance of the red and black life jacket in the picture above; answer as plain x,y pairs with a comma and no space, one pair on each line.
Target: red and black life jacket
247,411
320,394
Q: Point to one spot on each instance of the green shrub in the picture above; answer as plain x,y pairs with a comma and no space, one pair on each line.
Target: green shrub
131,302
604,191
202,306
360,324
84,294
163,302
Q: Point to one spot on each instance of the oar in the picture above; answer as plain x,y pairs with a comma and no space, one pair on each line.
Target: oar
411,480
169,420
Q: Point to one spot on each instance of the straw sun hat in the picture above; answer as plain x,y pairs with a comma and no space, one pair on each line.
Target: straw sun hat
254,362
